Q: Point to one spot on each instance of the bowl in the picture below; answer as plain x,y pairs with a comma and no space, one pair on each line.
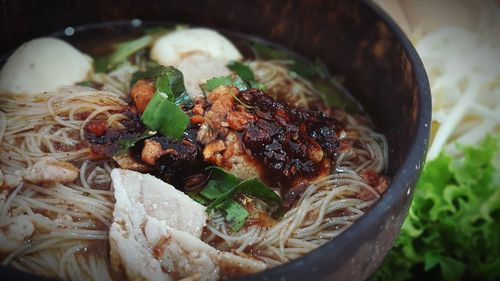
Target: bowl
355,39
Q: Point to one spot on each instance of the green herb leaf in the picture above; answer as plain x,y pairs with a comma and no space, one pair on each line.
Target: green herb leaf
245,73
127,143
159,30
231,80
163,112
165,116
101,64
220,183
236,215
168,80
223,186
332,92
264,51
86,83
452,230
335,95
299,65
125,49
198,198
258,189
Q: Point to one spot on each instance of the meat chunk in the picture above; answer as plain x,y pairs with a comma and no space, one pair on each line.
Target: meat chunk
142,92
9,181
151,151
236,161
265,138
49,170
13,234
185,254
248,133
212,152
158,199
156,230
125,161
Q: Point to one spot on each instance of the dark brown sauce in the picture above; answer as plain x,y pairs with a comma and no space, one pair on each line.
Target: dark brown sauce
110,142
284,138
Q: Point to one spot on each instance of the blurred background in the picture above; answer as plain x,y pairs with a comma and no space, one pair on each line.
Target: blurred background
453,229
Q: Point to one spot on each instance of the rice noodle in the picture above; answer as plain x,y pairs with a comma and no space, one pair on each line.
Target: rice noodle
69,219
71,237
314,219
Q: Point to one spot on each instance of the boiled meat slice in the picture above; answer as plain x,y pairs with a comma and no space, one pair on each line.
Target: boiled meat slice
156,230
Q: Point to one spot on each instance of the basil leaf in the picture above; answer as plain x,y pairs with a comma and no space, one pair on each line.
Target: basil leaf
236,215
253,187
162,85
245,73
220,183
231,80
198,198
258,189
225,186
220,190
127,143
165,116
241,70
168,80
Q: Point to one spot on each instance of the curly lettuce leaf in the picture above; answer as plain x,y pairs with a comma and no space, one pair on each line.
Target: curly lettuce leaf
452,230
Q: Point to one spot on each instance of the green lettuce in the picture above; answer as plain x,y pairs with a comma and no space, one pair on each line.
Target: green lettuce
452,231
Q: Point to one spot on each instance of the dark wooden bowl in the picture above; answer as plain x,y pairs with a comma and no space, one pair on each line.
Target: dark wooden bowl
355,39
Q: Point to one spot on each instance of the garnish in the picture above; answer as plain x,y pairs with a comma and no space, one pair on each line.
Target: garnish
86,83
230,80
122,51
334,95
245,73
221,190
125,49
127,143
331,91
452,231
163,112
298,66
165,116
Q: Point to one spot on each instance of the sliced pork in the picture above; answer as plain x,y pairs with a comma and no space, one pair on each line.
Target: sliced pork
156,230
